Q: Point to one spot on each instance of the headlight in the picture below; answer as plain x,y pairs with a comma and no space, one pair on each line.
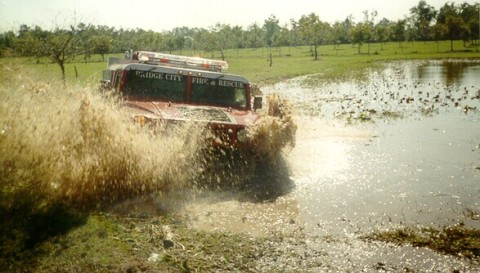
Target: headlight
242,135
140,120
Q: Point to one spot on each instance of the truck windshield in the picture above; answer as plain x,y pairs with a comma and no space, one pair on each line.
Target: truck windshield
219,92
155,85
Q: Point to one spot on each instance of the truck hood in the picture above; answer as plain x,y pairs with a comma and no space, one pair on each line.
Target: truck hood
184,112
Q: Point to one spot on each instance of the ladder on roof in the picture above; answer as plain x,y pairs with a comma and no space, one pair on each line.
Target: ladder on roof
182,61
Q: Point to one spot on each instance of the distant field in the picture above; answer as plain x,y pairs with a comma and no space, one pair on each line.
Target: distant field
287,62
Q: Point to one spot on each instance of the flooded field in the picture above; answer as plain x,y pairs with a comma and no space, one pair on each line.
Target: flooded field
400,149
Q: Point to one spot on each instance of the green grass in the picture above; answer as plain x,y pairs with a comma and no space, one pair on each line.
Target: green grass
453,240
109,243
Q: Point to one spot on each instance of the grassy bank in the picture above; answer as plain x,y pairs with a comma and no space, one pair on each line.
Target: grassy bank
110,243
454,240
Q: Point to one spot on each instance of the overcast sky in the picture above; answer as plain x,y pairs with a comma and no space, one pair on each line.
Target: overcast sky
160,15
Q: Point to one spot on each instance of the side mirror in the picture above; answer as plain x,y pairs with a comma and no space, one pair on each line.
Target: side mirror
257,102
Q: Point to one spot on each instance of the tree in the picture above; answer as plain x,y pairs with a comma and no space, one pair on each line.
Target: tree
102,44
6,43
341,32
169,42
363,32
208,41
369,19
29,42
437,32
222,38
453,24
455,29
422,17
314,31
271,28
61,45
85,45
399,33
382,31
294,35
470,15
254,36
281,38
359,35
122,40
150,40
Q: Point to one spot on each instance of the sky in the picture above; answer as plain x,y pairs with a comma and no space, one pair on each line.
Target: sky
161,15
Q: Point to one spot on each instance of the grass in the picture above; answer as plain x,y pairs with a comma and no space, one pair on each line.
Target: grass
453,240
108,243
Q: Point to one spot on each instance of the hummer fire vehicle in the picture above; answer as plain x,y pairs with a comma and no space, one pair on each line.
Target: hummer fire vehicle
159,87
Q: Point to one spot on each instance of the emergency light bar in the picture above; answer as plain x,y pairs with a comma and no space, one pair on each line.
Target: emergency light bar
194,62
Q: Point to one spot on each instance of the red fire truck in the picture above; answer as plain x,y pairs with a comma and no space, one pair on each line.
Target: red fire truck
159,87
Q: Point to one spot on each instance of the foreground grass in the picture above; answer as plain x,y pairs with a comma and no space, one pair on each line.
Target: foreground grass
454,240
109,243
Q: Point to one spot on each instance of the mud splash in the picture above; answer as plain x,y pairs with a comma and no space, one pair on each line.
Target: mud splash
73,145
276,129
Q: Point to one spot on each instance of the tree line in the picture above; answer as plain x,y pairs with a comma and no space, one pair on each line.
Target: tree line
423,23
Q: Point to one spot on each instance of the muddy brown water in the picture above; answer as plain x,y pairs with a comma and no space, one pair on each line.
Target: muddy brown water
400,149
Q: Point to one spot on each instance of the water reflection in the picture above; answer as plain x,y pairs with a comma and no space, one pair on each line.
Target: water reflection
449,72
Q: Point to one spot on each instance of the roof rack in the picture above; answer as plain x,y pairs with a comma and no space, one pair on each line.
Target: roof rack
181,61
